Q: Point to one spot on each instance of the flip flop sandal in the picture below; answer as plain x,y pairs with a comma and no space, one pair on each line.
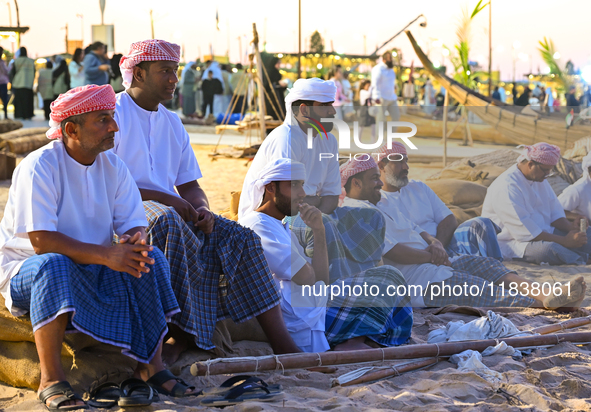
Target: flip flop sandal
240,380
136,392
178,391
246,392
61,388
105,395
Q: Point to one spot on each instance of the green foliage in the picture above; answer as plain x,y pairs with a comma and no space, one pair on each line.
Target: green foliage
547,51
316,43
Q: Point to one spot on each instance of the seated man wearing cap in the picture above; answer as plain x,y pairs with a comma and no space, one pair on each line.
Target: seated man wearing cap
218,268
534,226
57,258
408,248
351,319
577,197
419,203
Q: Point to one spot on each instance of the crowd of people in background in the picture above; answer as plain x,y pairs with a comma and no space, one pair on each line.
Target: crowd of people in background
208,89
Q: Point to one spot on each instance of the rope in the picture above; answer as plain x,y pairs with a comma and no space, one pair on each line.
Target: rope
383,355
278,364
319,359
395,370
437,356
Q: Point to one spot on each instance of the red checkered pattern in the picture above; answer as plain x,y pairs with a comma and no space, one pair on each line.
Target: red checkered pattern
544,153
383,151
354,166
147,51
79,100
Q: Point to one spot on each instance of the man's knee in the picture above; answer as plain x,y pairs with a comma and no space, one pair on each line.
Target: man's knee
168,216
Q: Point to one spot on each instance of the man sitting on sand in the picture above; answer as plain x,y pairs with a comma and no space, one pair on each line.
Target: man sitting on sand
577,197
423,262
218,268
57,257
419,204
350,320
534,227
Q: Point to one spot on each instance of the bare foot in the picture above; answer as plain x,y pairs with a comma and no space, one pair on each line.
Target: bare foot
45,385
577,293
172,349
353,344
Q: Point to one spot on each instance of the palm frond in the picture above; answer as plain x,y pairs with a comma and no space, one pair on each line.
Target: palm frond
547,51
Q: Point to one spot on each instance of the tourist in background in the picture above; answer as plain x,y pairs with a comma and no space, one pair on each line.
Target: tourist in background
383,86
77,69
348,110
365,119
96,65
22,73
571,100
210,87
60,78
187,86
496,94
3,84
239,86
429,97
336,76
523,99
408,92
45,87
116,80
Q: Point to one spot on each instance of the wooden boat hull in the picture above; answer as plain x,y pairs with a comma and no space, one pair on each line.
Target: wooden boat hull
434,128
517,127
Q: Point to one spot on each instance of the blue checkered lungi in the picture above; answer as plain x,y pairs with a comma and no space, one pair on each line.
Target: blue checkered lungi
112,307
384,319
478,237
223,274
354,237
479,271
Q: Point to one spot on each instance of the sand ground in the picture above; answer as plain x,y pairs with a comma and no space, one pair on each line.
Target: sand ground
558,378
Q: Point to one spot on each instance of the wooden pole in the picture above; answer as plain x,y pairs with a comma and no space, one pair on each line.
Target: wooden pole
309,360
567,324
152,24
445,104
299,39
261,95
392,371
490,48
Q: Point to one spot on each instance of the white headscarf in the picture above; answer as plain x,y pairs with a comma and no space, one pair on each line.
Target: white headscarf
314,89
586,164
278,171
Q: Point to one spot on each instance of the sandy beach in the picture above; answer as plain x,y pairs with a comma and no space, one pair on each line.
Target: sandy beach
557,378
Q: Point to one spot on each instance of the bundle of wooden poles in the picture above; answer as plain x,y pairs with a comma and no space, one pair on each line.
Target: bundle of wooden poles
547,336
24,140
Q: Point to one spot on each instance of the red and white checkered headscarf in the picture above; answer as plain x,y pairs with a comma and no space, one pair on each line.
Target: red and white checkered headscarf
544,153
351,168
79,100
383,151
147,51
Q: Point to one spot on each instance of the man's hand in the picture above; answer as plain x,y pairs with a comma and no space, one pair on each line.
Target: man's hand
105,67
438,254
185,209
577,222
130,258
205,220
138,238
311,216
574,239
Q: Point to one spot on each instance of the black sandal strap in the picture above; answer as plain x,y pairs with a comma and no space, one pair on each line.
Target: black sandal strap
61,388
242,389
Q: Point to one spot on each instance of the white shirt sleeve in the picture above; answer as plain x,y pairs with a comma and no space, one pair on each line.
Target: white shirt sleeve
515,217
570,198
283,258
36,198
188,167
332,185
440,211
128,208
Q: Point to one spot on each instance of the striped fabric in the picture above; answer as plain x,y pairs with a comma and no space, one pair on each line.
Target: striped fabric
478,271
112,307
354,236
478,237
224,274
384,319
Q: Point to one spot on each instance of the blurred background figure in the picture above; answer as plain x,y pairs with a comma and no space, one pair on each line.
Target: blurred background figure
210,86
22,72
3,84
365,119
115,78
96,65
77,69
187,86
45,87
60,77
239,86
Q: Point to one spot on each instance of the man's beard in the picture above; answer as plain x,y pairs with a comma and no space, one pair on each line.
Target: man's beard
327,125
396,181
284,204
389,63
